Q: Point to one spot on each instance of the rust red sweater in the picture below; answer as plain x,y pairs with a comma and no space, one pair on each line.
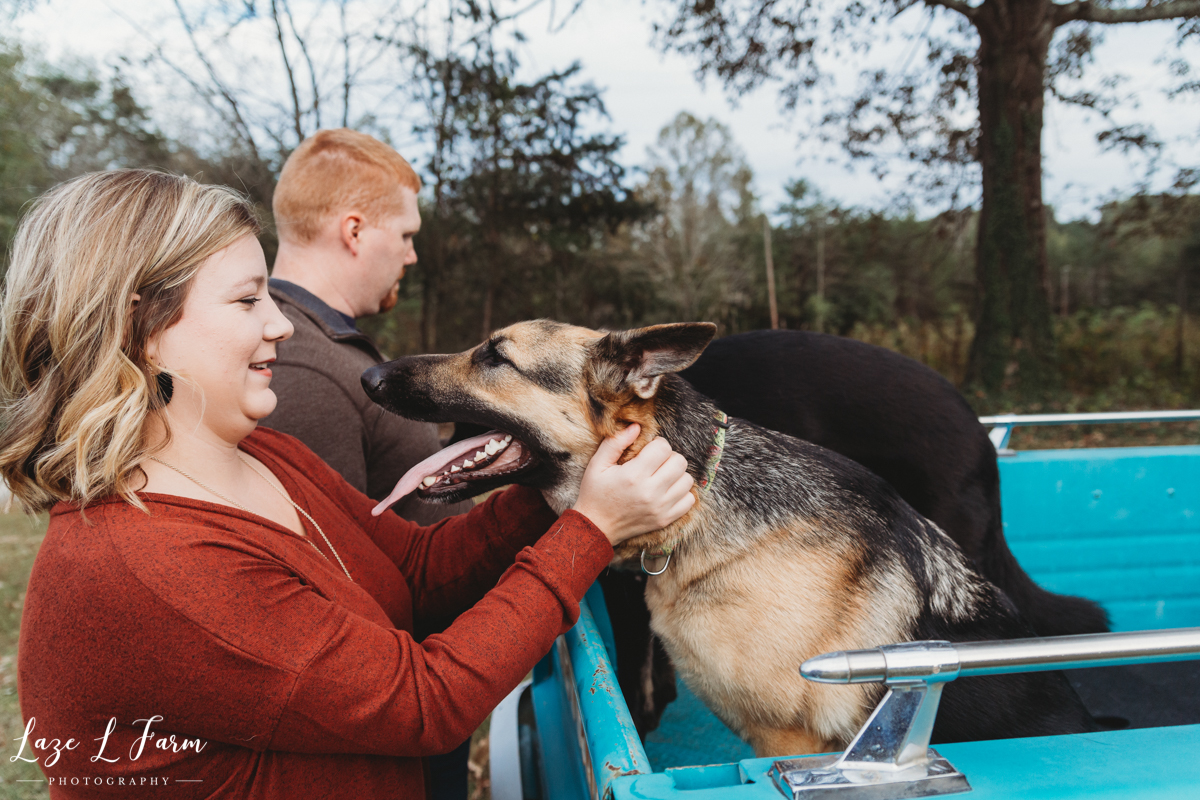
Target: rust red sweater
291,681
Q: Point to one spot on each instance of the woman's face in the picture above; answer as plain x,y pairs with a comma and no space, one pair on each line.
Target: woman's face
225,344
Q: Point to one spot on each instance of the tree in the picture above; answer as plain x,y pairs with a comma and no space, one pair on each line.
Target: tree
267,74
522,191
693,249
59,121
995,56
23,168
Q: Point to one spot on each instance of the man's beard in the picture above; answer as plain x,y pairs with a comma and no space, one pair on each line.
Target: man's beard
389,302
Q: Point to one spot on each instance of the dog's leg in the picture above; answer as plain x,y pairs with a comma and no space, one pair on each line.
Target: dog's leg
776,742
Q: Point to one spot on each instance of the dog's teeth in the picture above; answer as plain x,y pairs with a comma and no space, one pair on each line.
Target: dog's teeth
507,439
430,481
480,455
491,447
468,464
456,468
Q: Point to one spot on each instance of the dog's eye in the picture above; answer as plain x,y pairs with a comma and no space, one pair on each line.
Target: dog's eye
489,356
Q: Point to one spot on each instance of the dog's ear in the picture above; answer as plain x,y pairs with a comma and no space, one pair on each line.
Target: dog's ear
643,355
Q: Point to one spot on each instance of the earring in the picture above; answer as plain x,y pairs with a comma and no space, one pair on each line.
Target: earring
166,387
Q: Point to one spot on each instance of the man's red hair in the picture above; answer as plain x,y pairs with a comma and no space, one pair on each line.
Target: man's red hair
334,171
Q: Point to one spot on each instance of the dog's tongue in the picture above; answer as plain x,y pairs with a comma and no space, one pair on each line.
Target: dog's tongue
433,465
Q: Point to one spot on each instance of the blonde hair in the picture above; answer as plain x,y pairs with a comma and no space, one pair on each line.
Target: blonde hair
333,171
76,384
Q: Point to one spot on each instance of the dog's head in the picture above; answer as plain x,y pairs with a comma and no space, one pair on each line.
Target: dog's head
552,392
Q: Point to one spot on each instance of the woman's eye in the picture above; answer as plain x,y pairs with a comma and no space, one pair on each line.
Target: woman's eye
250,301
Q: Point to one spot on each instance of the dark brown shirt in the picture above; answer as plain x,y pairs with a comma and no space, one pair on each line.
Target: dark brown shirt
322,403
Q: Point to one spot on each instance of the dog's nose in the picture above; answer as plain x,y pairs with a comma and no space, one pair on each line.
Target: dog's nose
373,380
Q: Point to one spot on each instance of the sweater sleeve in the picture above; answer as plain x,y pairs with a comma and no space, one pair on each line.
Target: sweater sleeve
448,565
395,696
309,675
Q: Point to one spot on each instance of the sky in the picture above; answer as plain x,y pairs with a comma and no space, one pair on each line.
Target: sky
643,89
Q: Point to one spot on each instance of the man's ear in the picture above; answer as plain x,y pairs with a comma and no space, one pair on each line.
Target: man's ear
644,355
350,229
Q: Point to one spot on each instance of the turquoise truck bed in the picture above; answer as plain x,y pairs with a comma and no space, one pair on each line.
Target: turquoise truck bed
1120,525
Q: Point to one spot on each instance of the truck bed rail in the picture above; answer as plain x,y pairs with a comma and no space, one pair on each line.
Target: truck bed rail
1004,424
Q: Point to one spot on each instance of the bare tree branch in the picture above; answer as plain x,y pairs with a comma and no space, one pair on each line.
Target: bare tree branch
961,7
345,65
287,66
312,72
241,126
1089,11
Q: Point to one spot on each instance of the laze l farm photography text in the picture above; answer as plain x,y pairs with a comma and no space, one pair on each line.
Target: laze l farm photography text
47,749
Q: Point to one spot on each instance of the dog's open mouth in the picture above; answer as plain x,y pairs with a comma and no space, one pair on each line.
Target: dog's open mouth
491,455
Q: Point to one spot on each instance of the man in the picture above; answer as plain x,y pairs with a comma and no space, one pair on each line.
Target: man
346,213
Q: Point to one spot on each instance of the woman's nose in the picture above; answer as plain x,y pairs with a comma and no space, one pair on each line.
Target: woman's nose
278,327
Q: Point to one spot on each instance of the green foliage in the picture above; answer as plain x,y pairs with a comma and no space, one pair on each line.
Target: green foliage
24,171
528,213
524,201
57,122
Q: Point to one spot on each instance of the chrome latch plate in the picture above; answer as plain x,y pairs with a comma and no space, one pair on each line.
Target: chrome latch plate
815,777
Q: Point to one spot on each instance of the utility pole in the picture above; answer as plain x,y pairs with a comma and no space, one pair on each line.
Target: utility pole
1181,326
770,273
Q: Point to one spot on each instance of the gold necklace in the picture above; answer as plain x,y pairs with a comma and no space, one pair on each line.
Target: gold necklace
248,511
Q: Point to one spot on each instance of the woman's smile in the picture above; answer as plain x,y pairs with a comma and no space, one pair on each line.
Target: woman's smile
263,367
229,326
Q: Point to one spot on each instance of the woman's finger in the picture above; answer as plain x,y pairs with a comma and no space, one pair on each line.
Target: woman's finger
681,507
671,468
682,485
610,450
653,455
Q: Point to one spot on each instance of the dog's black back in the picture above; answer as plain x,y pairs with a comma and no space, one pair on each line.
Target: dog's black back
899,419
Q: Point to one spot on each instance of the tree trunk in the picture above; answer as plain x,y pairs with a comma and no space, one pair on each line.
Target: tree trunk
488,299
773,307
1014,347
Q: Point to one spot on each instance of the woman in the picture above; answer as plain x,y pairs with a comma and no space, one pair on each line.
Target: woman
213,608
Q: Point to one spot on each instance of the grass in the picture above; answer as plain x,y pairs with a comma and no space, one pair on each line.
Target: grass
20,537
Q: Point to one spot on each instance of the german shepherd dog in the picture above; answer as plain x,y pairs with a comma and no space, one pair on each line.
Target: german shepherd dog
892,414
790,551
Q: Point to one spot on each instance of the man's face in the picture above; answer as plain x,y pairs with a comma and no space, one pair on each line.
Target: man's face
385,252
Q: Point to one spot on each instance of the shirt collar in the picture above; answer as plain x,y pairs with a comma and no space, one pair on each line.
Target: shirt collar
340,324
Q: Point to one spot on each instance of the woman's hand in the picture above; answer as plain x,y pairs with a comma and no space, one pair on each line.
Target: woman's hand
648,492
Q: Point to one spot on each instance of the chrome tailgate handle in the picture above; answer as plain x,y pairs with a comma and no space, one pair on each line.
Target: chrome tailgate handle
890,755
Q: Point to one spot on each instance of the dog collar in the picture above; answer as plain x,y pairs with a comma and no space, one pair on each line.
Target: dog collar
720,426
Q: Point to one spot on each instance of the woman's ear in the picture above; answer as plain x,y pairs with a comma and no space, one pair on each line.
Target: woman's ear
134,299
